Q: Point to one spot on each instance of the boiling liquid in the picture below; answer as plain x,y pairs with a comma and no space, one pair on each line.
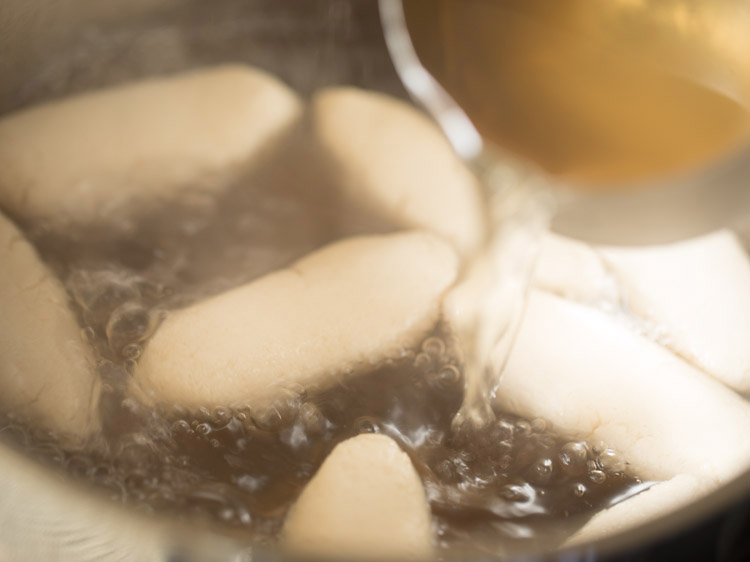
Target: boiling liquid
596,92
510,485
493,291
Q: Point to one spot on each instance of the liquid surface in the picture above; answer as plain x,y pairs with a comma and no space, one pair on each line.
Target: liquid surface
595,92
509,485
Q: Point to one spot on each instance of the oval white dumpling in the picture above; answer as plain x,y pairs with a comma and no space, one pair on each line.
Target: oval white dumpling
87,157
365,502
391,161
694,294
594,378
338,311
46,373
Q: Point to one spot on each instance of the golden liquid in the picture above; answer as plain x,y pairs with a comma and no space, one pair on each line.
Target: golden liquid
593,90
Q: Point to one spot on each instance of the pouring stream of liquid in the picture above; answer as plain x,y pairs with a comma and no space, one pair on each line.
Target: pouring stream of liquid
486,308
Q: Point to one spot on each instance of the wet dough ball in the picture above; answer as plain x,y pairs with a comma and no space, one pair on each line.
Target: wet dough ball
85,158
365,502
388,159
46,369
335,313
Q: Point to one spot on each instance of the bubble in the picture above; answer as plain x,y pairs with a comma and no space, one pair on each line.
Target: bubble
215,443
484,472
134,452
294,436
305,471
78,466
311,418
542,471
505,428
251,483
579,490
515,493
611,461
572,457
504,447
523,428
598,447
434,347
180,426
423,362
545,441
203,428
366,425
597,476
16,434
270,419
505,462
538,425
104,364
132,351
220,417
100,292
88,334
447,377
294,392
461,468
226,514
100,471
129,323
47,450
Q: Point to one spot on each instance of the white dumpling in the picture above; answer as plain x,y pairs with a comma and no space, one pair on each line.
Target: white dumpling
594,378
694,295
84,158
46,372
697,295
575,271
392,161
338,311
365,502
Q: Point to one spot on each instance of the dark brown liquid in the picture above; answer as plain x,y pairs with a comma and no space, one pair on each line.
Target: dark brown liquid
599,92
512,484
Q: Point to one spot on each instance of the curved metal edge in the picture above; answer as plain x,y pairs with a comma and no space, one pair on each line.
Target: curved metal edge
687,205
423,87
44,520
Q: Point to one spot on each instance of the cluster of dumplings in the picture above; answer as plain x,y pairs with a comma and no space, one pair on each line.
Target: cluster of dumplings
643,350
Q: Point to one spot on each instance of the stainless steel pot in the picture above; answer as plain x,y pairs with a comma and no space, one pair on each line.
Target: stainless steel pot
51,48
